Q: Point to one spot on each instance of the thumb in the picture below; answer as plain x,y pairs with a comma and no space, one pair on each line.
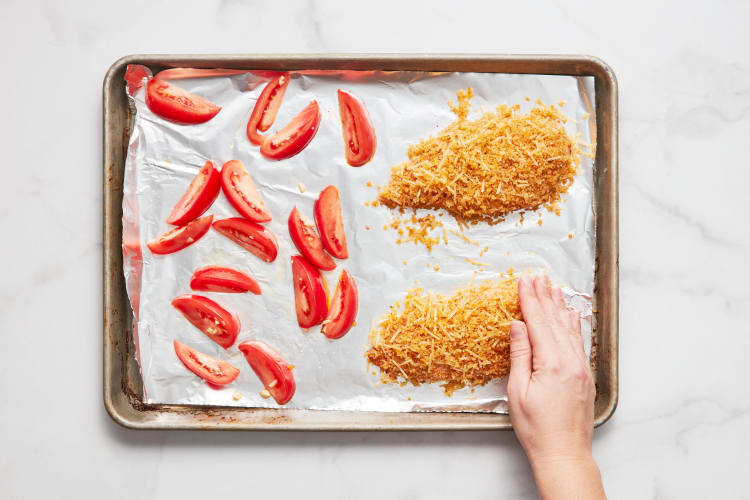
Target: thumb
520,356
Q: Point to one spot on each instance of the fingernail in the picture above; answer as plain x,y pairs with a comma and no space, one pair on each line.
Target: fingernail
539,282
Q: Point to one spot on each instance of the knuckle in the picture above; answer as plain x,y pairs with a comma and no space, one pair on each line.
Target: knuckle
554,367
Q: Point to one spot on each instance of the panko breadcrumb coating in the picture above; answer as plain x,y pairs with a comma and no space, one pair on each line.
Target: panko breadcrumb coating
484,169
461,339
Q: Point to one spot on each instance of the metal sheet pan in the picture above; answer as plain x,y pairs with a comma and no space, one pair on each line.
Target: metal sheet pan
122,384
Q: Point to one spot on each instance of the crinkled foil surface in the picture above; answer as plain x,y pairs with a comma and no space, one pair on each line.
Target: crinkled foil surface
163,157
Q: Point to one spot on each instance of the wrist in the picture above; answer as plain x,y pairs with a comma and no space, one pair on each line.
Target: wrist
551,461
574,475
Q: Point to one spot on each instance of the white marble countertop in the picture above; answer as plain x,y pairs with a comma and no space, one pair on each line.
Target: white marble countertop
682,429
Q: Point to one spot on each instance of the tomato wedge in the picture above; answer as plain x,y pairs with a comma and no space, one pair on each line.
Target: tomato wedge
217,323
310,297
293,138
266,108
271,369
265,73
134,75
183,73
359,135
178,105
307,241
212,370
344,308
253,237
181,237
203,190
330,222
240,190
223,279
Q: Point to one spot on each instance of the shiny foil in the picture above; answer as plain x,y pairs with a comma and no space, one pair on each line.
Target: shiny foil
163,158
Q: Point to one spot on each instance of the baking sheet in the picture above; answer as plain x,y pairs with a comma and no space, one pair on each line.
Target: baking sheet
163,157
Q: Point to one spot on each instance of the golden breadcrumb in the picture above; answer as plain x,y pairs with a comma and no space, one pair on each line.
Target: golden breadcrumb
416,230
460,340
480,265
484,169
464,237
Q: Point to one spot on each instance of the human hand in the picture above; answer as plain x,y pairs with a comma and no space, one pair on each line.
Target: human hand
551,392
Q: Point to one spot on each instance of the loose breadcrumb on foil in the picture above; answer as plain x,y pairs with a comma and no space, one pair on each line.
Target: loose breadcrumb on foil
459,340
416,230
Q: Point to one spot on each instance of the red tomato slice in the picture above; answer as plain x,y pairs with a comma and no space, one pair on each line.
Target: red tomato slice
181,237
134,75
293,138
330,222
271,369
203,190
240,190
178,105
217,323
183,73
344,308
212,370
223,279
359,135
253,237
266,73
310,295
266,108
307,242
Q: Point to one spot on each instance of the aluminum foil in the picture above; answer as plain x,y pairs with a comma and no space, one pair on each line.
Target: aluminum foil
163,157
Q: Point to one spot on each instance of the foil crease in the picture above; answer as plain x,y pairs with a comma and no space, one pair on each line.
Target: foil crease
405,107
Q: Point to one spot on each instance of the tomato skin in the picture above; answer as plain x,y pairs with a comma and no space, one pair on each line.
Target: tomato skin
181,237
253,237
266,108
272,370
310,293
217,323
344,307
200,195
178,105
359,135
223,279
267,73
185,73
307,242
241,192
212,370
330,222
293,138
